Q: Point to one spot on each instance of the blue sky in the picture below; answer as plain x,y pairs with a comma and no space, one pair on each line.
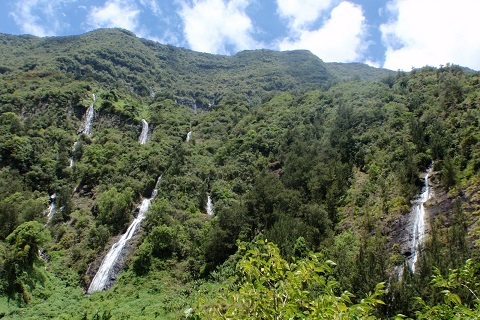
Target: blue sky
394,34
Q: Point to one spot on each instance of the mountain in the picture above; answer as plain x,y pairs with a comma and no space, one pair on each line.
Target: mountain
206,180
115,56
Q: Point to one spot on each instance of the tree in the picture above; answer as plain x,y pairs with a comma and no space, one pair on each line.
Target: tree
269,287
114,208
19,256
461,290
448,177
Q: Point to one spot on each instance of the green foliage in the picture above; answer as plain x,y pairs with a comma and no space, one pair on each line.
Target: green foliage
26,240
460,294
114,208
303,153
18,258
269,287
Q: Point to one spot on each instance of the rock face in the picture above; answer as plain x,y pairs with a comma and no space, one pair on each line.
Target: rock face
438,208
113,261
405,229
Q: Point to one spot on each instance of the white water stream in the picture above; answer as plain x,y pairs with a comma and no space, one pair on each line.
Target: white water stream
72,161
210,207
144,135
418,228
189,135
105,273
86,126
51,208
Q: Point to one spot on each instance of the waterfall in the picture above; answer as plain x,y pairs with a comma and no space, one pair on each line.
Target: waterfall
189,135
51,207
105,273
418,228
210,207
144,135
73,152
86,126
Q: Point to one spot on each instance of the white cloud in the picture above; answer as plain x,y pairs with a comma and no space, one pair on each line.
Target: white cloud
39,17
115,13
339,39
212,25
432,32
301,12
152,5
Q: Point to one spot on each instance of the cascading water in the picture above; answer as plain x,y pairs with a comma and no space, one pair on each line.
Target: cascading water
210,206
418,227
418,230
73,152
86,126
105,274
51,208
144,135
189,135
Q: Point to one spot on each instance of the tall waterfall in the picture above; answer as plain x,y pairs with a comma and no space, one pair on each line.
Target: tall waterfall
210,206
105,274
418,227
189,135
51,208
144,135
86,126
73,152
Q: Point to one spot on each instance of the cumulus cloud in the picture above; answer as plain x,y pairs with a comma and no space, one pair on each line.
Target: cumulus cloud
339,39
115,13
213,25
431,32
302,12
39,17
152,5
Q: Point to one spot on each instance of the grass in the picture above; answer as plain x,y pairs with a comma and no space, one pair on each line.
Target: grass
158,295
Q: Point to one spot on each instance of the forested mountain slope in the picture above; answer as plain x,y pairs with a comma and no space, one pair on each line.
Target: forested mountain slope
305,163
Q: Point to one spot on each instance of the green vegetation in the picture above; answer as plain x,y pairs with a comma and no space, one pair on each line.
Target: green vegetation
311,167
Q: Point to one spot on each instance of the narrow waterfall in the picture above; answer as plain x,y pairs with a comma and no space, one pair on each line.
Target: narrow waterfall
210,206
86,126
419,221
105,274
189,135
73,152
144,135
51,208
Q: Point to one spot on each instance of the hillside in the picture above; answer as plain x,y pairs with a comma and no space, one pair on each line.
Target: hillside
244,172
115,57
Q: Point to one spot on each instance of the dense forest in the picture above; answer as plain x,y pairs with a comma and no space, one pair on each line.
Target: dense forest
279,186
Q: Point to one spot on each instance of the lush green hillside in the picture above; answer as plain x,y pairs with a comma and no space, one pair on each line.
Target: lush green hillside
306,163
117,59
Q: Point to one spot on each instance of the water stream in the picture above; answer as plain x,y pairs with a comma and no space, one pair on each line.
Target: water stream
144,135
51,208
74,148
418,226
106,273
209,207
189,135
419,221
86,126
